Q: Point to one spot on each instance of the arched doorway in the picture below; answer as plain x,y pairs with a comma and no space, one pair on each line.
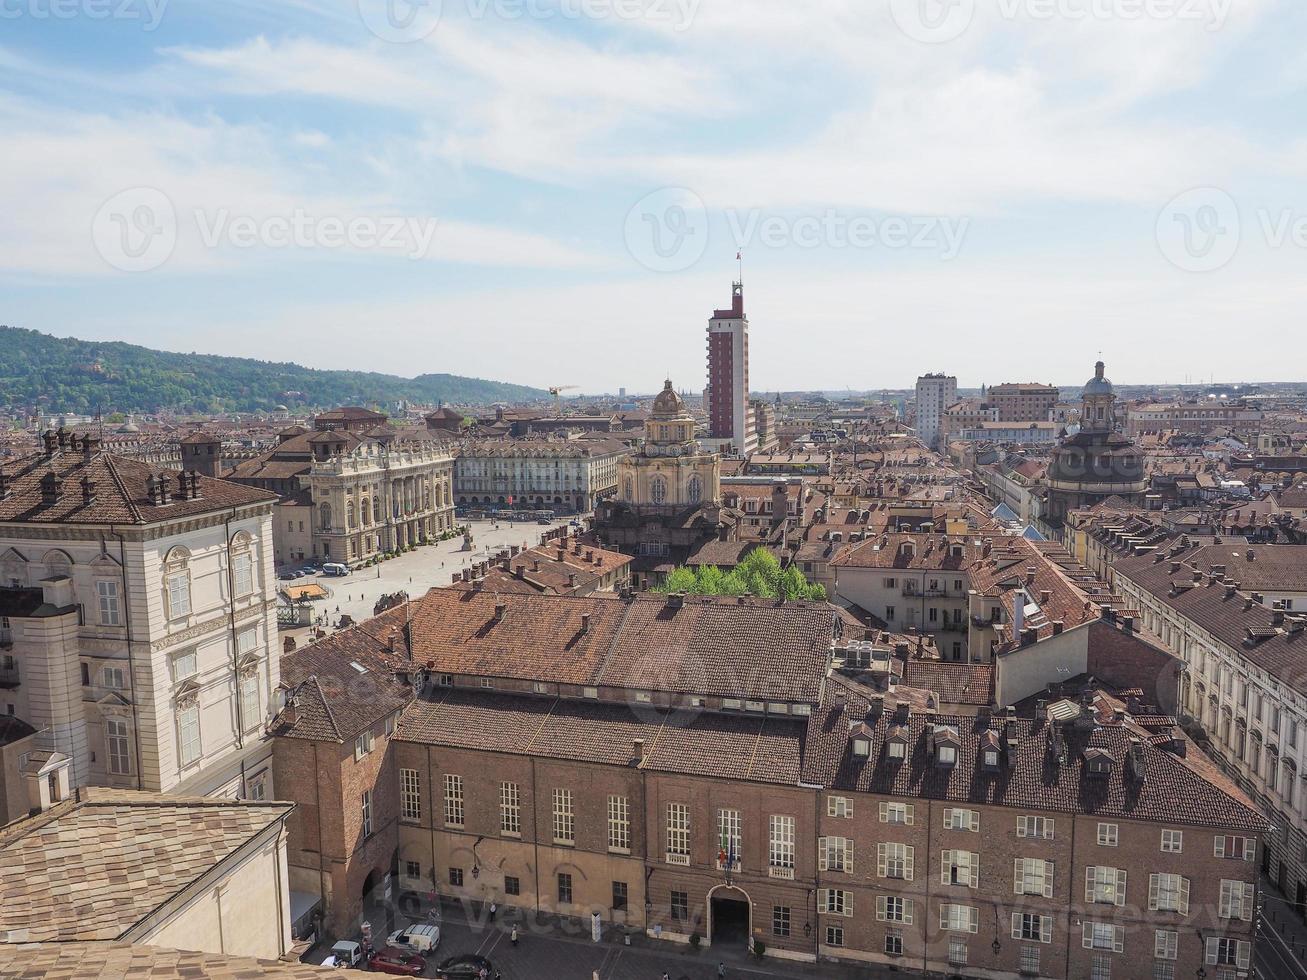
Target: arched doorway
730,916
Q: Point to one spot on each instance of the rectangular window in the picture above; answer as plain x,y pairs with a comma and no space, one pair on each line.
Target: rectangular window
1228,952
619,896
893,908
512,885
510,810
456,877
678,830
957,951
1105,886
250,716
680,906
899,813
1100,968
839,806
834,901
1234,848
780,851
242,575
1103,935
179,595
114,678
834,935
366,806
894,942
564,817
1108,834
115,736
729,840
188,732
184,665
453,800
780,920
619,824
1166,944
412,870
1163,970
1030,961
1032,927
564,888
1032,876
894,860
1172,841
1041,827
107,595
957,819
363,745
410,795
959,868
1236,901
1168,893
959,918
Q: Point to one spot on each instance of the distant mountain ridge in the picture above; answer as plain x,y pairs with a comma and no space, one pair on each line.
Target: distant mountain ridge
81,376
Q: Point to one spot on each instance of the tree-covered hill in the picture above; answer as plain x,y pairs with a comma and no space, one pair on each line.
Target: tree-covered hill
38,371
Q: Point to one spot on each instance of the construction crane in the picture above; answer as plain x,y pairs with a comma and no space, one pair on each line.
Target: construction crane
554,390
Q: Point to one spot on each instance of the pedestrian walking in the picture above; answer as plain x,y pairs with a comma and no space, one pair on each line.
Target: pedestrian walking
493,909
513,938
721,970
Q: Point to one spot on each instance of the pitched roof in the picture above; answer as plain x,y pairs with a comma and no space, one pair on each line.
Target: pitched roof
94,866
124,961
118,491
759,649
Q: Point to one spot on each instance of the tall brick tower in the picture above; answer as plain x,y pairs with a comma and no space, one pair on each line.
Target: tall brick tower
730,417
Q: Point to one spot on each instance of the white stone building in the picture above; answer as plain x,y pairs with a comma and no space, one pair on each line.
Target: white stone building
935,393
138,627
570,475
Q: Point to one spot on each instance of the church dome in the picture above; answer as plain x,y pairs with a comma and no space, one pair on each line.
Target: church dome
1098,385
668,404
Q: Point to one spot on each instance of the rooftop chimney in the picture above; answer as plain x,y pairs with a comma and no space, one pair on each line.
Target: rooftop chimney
88,491
501,608
639,751
51,489
4,484
585,622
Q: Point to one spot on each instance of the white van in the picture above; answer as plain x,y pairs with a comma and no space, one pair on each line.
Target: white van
334,568
418,939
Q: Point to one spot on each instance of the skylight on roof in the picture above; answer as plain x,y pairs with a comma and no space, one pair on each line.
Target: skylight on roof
358,666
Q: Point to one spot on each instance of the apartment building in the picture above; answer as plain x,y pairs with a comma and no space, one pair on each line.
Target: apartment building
137,621
935,393
693,768
1023,402
1243,684
568,475
913,581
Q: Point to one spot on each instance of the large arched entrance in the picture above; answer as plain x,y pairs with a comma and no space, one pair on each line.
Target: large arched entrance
730,916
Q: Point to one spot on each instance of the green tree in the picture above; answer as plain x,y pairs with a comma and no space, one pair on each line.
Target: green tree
758,574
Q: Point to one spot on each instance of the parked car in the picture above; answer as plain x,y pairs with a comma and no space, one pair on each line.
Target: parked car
397,962
418,938
542,520
463,967
344,953
287,575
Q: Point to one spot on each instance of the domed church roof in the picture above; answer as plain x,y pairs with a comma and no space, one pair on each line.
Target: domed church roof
668,404
1098,385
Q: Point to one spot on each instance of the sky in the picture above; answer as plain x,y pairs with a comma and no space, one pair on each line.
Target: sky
554,192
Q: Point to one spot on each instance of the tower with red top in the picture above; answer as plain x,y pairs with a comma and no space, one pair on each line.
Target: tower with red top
730,417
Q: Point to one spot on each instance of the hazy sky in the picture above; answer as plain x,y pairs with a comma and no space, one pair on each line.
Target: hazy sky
555,192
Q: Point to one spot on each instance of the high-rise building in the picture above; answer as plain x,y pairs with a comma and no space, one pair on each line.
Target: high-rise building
730,419
935,393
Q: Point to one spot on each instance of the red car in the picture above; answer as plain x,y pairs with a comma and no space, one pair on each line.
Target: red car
397,962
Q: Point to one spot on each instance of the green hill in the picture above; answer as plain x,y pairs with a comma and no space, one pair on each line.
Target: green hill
38,371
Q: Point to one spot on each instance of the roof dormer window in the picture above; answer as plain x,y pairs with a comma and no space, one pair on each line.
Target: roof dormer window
861,747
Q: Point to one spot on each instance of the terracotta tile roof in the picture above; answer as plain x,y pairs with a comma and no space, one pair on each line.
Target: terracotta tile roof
955,683
737,747
121,961
117,488
755,648
334,700
929,551
1037,780
93,867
